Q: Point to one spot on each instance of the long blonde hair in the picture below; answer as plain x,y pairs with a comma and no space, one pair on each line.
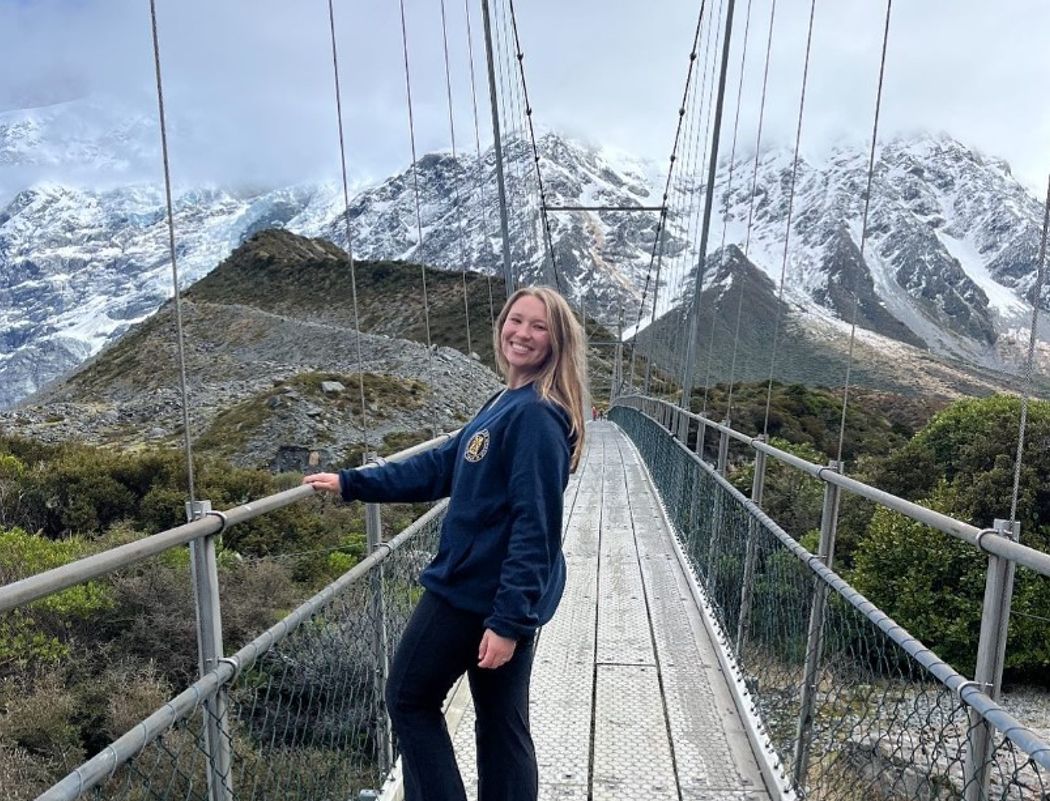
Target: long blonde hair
562,378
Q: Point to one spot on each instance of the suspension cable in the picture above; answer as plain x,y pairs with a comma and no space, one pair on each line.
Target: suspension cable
700,122
349,233
535,151
681,211
1040,276
477,145
864,226
729,197
790,211
415,177
667,185
180,347
455,192
751,207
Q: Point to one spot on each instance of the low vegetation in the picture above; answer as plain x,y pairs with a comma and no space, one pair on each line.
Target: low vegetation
78,668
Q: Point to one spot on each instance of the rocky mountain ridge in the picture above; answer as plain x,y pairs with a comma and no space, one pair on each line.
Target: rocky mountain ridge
947,268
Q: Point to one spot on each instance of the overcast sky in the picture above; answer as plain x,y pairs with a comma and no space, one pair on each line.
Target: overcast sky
249,83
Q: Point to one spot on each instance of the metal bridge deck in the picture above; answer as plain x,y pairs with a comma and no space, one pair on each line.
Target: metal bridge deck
628,698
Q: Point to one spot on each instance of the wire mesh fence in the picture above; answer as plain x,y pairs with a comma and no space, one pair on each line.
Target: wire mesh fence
296,714
853,706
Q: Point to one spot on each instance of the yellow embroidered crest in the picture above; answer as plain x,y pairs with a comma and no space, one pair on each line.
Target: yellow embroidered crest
477,447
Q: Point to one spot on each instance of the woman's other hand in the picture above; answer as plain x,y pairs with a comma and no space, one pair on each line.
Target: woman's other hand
495,651
326,482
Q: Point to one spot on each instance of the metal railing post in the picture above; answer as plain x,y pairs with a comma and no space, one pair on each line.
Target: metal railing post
991,655
829,520
758,487
716,522
683,426
723,450
384,728
205,575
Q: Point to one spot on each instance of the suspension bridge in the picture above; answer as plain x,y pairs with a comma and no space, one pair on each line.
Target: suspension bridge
701,652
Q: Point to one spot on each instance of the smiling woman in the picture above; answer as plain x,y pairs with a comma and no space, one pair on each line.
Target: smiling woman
499,571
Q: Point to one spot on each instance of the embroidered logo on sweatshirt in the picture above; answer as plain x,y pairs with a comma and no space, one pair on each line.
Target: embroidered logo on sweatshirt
477,447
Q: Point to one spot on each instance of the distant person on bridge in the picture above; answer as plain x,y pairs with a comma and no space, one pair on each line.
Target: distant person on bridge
499,571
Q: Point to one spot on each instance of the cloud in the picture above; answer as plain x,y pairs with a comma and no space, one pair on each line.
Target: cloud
249,85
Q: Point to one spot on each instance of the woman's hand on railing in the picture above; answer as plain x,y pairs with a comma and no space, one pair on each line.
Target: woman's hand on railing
323,482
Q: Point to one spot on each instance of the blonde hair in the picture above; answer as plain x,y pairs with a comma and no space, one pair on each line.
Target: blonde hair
562,378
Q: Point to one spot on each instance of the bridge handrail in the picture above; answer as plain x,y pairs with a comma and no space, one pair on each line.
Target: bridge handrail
968,691
33,588
100,767
1037,560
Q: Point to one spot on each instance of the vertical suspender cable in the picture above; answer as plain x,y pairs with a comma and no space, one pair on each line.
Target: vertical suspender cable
508,266
349,234
729,197
415,176
787,231
700,122
174,265
681,207
455,194
667,185
694,317
544,218
1040,278
751,207
512,129
477,146
864,226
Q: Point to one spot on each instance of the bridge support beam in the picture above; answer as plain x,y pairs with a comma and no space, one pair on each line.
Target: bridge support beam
815,638
377,614
991,656
205,575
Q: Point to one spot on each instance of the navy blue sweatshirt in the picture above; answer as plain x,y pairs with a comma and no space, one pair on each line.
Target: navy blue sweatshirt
505,474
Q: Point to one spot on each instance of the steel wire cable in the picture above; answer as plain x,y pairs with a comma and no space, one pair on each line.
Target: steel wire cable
667,184
484,209
701,123
455,192
696,224
682,211
346,224
679,216
864,226
415,180
179,335
507,101
751,209
729,198
790,211
545,218
679,210
1030,358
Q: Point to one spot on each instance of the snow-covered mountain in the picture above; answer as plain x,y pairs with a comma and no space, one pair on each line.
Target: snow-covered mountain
948,265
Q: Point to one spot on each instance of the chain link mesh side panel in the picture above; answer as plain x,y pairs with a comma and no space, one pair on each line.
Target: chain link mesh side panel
306,720
882,727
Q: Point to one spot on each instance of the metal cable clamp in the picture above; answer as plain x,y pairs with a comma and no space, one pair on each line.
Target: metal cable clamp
222,516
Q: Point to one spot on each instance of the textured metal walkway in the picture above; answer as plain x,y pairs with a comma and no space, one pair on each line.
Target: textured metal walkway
628,699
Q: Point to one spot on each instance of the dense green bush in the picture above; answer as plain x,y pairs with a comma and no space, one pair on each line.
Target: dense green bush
962,464
40,632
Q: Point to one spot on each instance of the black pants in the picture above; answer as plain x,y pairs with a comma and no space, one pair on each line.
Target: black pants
438,646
